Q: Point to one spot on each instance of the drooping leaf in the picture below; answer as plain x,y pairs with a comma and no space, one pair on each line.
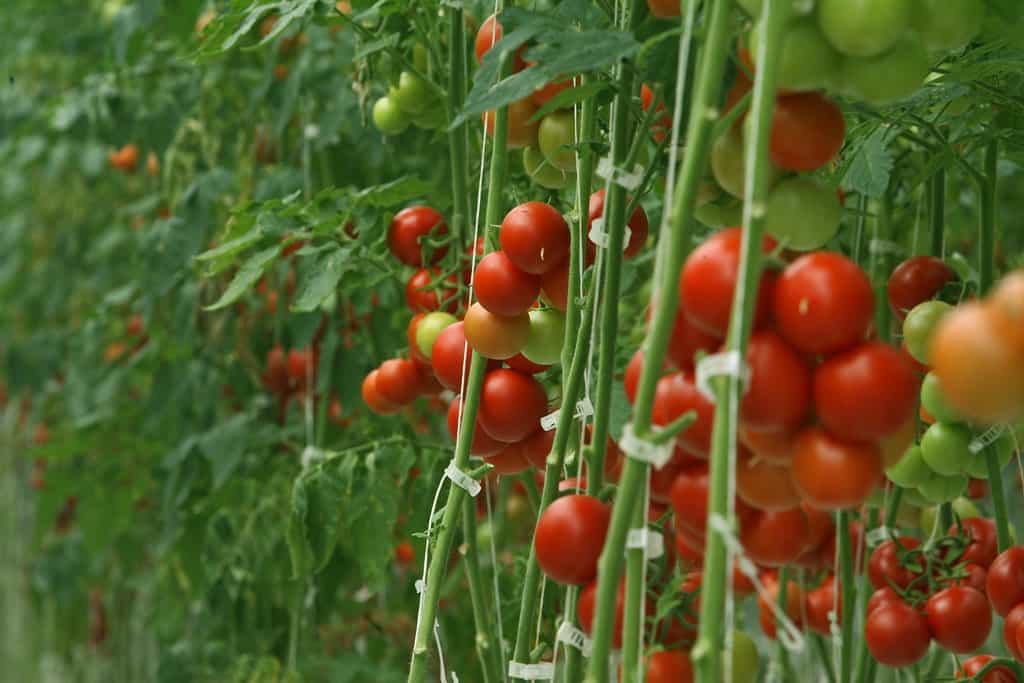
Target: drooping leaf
871,167
250,272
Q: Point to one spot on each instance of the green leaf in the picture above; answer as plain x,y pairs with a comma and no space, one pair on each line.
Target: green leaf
567,98
1010,10
225,445
250,272
872,164
393,193
234,246
321,280
620,411
295,535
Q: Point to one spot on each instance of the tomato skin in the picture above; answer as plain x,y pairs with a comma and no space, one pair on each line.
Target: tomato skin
638,226
946,447
880,597
663,9
1005,583
775,447
587,603
807,61
807,132
896,634
764,486
832,474
521,131
819,602
408,227
1012,626
555,137
511,405
537,446
919,326
422,300
509,460
793,607
802,213
959,618
521,363
449,357
677,394
974,665
976,356
569,537
535,237
502,288
555,286
948,24
777,538
661,125
866,393
491,31
778,397
669,666
864,28
275,378
884,566
495,336
542,172
708,281
823,303
482,443
398,381
888,77
374,400
915,281
689,497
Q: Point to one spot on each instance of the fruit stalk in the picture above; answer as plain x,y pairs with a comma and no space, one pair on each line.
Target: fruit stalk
632,624
727,390
847,579
487,645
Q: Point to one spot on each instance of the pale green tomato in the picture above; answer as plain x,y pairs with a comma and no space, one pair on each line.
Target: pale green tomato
911,470
807,61
431,118
412,95
724,212
864,28
544,173
728,163
798,7
943,489
963,507
946,448
745,659
919,326
431,325
388,118
803,213
913,497
948,24
556,132
889,77
934,401
547,333
419,57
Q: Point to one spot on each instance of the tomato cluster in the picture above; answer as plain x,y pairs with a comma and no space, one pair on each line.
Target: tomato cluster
410,100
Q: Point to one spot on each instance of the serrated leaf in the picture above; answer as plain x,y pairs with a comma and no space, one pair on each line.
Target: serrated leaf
250,272
567,98
375,46
871,167
224,446
233,246
393,193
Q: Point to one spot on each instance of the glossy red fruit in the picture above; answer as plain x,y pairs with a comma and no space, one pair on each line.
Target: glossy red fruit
897,634
917,280
373,398
420,299
819,603
535,237
569,537
511,405
409,227
983,547
676,395
555,286
520,363
778,397
502,288
687,340
1005,583
973,666
669,666
959,618
637,223
537,446
482,443
885,567
490,33
773,539
807,131
398,381
509,460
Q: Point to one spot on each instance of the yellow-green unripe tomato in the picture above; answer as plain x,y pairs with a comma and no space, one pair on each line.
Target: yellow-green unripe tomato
911,470
864,28
728,163
945,446
802,213
419,57
913,497
724,212
555,133
388,118
431,325
943,489
934,401
807,60
798,7
547,332
963,507
919,327
745,660
543,172
412,94
948,24
888,77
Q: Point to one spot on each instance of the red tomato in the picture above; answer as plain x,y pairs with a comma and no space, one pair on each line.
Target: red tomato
410,337
398,381
884,567
482,443
502,288
541,95
535,237
880,597
555,286
422,300
406,230
819,603
775,447
823,303
866,393
663,9
708,281
776,538
807,131
662,479
520,363
490,33
677,394
686,341
974,665
959,618
588,602
764,486
373,398
984,546
637,223
1012,627
778,397
896,634
275,379
662,124
631,379
509,460
301,362
496,336
511,405
833,474
569,537
537,446
1005,583
916,280
690,555
449,357
689,497
793,608
669,666
522,132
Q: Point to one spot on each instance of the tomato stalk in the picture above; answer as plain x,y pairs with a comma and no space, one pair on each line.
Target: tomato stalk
488,649
727,390
847,577
881,267
633,617
673,246
471,398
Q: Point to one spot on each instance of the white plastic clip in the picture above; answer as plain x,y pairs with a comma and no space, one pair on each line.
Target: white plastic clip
653,544
986,438
550,421
879,535
584,408
462,480
644,451
311,455
790,637
364,594
885,247
570,635
726,363
598,236
630,180
544,671
420,586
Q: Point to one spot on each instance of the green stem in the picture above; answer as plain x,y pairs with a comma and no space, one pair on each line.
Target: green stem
727,390
826,663
847,585
785,667
880,266
937,192
632,623
487,647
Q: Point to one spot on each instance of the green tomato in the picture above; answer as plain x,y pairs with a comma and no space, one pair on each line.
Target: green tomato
745,660
802,213
484,534
919,326
962,507
799,7
412,94
914,497
934,401
886,78
547,333
943,489
1005,447
420,58
724,212
864,28
542,172
388,118
807,61
946,448
555,132
728,163
911,470
431,325
948,24
431,118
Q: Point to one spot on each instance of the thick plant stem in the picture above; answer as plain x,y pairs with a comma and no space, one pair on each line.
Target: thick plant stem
633,617
486,643
471,398
937,194
672,248
881,267
847,577
727,390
